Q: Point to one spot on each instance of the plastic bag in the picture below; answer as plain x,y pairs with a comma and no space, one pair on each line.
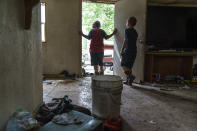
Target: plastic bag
21,121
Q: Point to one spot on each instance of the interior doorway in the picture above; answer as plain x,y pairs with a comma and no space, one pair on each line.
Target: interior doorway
104,13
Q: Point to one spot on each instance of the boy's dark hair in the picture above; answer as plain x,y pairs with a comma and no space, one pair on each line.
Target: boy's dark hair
97,24
132,21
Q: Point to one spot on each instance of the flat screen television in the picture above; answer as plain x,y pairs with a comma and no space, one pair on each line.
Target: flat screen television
172,27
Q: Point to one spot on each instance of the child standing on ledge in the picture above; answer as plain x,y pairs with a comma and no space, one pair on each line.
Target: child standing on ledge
96,35
129,50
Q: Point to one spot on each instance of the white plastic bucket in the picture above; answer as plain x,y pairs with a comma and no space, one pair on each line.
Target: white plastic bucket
106,96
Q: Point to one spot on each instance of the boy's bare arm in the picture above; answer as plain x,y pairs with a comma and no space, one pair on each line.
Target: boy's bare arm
123,46
85,36
114,32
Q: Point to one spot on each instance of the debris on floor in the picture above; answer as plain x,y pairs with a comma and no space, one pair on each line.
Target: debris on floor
139,105
185,87
185,90
168,86
60,112
56,110
64,119
22,120
61,76
86,74
167,89
82,109
152,122
76,121
48,82
67,75
173,78
49,110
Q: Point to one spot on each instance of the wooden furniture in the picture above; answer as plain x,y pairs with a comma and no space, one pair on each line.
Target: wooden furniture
168,63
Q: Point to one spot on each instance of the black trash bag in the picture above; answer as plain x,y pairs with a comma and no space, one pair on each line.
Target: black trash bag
68,76
65,73
49,110
64,105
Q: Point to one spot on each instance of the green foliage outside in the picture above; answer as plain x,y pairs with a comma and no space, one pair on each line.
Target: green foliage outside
102,12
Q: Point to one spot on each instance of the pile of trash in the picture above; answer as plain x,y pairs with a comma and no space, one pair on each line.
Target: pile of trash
86,74
64,119
49,110
56,111
67,75
22,120
174,78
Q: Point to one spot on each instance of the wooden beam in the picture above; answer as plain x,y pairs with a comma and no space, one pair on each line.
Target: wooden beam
29,4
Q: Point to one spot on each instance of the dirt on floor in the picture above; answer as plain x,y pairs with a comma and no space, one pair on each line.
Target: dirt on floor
141,110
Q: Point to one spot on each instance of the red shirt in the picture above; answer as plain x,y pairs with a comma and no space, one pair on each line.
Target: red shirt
97,35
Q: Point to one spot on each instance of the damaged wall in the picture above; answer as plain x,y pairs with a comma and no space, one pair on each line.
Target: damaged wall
123,10
20,60
62,50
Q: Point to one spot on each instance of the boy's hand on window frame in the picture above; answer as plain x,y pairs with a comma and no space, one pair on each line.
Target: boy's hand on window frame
115,31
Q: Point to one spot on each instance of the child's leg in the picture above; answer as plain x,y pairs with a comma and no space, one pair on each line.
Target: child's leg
94,62
127,62
128,73
100,62
96,69
101,70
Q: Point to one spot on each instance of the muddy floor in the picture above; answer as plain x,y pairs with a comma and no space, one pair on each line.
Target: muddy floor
141,110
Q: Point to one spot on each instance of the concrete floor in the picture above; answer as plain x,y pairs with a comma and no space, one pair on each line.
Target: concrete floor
141,110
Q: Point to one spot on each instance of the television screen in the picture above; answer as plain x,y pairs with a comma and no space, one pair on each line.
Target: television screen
172,27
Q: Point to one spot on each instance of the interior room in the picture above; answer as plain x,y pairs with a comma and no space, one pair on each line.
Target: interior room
47,84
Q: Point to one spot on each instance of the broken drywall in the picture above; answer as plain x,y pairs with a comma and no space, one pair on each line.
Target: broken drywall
123,10
62,50
20,60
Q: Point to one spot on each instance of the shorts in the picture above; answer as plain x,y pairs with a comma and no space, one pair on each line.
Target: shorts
97,58
128,60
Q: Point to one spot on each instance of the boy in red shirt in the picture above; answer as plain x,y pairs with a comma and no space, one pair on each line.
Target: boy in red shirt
96,35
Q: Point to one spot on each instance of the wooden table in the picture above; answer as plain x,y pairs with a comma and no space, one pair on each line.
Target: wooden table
168,63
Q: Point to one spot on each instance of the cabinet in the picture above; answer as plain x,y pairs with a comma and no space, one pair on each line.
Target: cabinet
168,64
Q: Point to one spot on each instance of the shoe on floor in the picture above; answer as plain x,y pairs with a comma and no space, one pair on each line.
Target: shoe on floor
131,79
125,82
